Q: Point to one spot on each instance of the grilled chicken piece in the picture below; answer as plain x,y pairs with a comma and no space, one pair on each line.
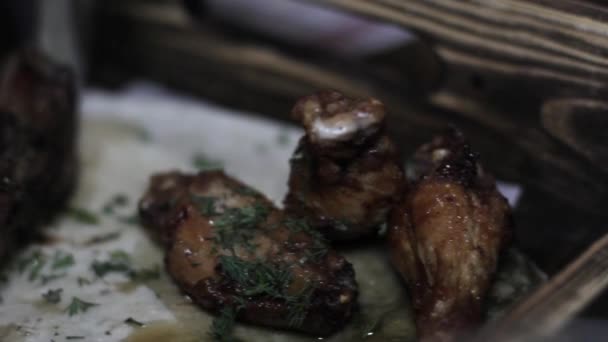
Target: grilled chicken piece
233,252
37,145
345,173
446,235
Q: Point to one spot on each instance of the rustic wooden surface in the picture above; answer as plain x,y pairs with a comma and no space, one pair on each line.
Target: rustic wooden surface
542,313
503,60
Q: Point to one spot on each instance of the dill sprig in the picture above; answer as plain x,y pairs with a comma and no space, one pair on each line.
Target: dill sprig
62,260
204,163
223,325
298,306
318,249
83,215
236,226
261,278
52,296
256,277
78,306
205,205
120,262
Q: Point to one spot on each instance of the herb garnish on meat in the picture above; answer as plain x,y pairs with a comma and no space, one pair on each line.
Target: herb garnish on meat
260,278
236,226
318,249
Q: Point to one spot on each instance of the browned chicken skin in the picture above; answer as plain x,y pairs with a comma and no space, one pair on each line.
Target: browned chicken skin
229,247
445,237
345,173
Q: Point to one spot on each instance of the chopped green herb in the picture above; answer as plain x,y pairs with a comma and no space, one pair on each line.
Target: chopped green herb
83,216
118,200
236,226
62,260
119,261
202,162
53,296
133,322
205,205
120,255
103,238
298,307
256,277
145,274
261,278
83,281
30,260
223,325
318,249
78,306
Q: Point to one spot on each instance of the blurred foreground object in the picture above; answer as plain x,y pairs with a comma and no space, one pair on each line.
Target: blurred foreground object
37,144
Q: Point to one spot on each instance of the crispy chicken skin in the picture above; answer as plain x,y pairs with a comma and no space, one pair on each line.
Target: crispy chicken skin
345,173
446,235
229,247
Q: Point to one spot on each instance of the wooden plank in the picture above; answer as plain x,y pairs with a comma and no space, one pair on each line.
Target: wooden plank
504,63
548,308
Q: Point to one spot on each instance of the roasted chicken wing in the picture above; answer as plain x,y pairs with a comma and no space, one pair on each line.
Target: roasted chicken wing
345,173
446,235
233,252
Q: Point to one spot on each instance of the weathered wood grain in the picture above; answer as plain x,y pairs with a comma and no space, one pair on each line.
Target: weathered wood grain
500,95
549,307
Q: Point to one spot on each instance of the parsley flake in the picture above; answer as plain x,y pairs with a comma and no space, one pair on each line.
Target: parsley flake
52,296
78,306
204,163
205,205
83,216
62,260
223,325
236,226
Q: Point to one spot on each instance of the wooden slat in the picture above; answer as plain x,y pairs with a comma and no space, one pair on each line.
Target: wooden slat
524,52
550,306
521,34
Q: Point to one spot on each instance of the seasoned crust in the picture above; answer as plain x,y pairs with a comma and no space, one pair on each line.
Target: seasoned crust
346,172
198,251
446,235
